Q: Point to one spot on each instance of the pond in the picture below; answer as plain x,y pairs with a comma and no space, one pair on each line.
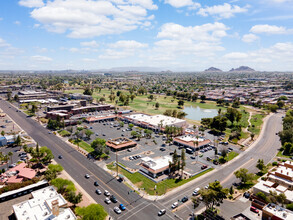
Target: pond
197,113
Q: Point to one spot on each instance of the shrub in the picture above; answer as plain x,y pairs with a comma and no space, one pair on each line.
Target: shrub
290,206
275,163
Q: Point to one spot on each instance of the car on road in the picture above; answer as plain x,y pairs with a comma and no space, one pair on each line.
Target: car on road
161,212
129,150
174,205
60,157
106,193
12,165
184,199
87,176
113,199
96,183
192,157
117,210
98,192
253,209
107,201
196,192
49,132
122,207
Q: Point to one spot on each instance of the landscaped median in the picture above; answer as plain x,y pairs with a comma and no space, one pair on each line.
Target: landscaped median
82,144
162,187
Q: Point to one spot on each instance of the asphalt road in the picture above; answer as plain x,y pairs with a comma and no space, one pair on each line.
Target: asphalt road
266,149
139,208
76,165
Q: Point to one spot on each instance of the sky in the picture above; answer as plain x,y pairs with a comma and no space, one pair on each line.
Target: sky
176,35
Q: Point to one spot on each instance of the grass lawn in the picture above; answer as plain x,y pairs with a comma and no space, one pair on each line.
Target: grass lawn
231,155
83,145
29,113
256,122
143,182
280,154
64,133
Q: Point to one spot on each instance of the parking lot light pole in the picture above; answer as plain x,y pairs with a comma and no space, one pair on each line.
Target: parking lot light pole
116,163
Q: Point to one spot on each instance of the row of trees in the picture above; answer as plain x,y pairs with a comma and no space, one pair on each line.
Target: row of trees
174,113
178,163
286,135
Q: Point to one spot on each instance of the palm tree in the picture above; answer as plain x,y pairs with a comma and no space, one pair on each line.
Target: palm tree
10,154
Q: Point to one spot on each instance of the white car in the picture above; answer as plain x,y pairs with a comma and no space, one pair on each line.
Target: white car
117,210
207,186
107,201
106,193
174,205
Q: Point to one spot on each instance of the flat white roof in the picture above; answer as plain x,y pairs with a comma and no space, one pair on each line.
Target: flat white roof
156,120
188,138
158,163
39,208
278,211
262,187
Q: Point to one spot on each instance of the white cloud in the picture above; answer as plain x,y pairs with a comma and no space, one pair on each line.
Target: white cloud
17,22
270,29
89,60
1,19
89,18
31,3
183,3
128,44
89,44
249,38
235,55
123,49
3,43
39,58
222,11
276,57
73,50
179,42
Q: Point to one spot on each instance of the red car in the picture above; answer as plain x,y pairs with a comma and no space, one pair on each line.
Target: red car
253,209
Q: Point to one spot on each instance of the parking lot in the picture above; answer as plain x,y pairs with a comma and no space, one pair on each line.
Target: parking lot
152,147
8,126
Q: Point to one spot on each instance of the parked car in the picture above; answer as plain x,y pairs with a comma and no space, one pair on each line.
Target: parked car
106,193
113,199
246,195
207,186
117,210
98,192
253,209
122,207
184,199
161,212
107,201
174,205
162,149
204,167
208,158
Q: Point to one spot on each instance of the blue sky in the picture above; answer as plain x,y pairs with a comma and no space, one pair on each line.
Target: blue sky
178,35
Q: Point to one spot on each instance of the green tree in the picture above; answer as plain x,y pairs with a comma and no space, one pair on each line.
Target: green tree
289,206
121,124
9,94
133,134
151,97
102,99
91,212
261,166
203,98
262,196
2,133
88,91
243,175
130,126
88,133
63,185
74,198
183,163
99,145
157,105
17,141
288,148
180,103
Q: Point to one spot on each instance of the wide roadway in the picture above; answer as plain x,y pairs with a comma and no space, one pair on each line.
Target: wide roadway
76,165
265,148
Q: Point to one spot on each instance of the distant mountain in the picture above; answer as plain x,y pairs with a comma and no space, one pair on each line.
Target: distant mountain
242,69
136,69
213,69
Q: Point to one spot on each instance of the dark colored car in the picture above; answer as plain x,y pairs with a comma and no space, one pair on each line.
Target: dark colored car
162,149
113,199
96,183
122,207
204,167
184,199
60,157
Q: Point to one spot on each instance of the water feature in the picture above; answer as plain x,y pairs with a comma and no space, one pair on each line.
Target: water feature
197,113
